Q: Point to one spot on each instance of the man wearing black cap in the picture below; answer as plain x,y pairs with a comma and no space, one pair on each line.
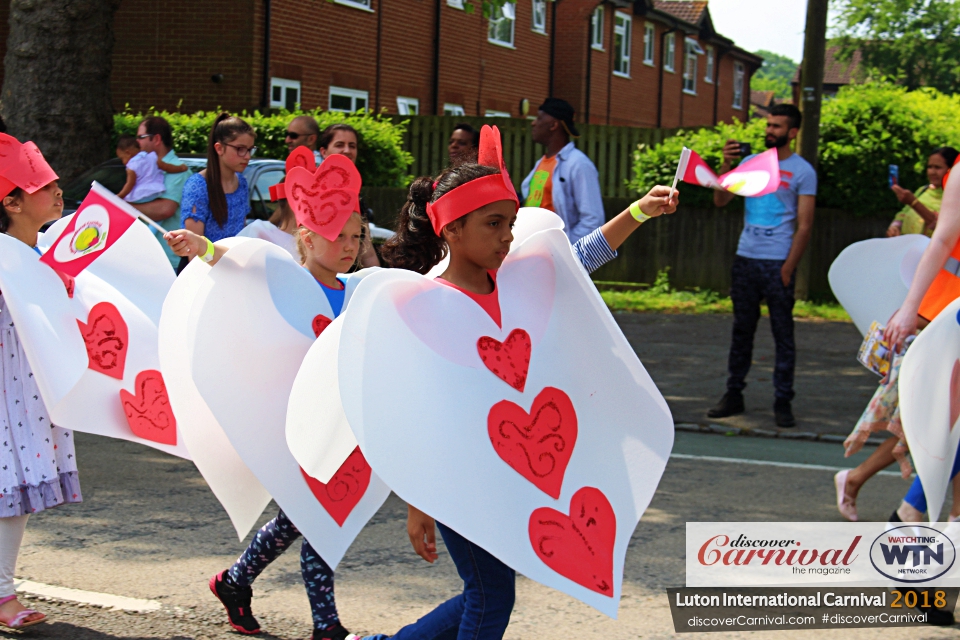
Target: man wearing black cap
564,180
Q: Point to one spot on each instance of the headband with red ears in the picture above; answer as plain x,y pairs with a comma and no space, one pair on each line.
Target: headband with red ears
22,165
472,195
299,157
323,200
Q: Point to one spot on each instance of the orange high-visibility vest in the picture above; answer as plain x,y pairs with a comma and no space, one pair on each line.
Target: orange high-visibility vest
945,288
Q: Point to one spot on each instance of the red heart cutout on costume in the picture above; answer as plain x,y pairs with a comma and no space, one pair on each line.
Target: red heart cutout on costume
320,322
148,412
346,487
105,336
323,200
537,445
508,360
955,394
578,546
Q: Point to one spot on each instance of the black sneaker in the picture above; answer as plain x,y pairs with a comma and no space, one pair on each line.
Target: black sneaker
334,633
236,600
730,405
782,413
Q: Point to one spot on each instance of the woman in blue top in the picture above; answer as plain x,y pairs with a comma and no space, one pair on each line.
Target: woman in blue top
216,201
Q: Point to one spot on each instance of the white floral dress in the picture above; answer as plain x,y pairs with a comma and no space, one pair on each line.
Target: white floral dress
38,464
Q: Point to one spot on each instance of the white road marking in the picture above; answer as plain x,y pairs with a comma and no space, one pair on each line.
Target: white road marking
117,603
771,463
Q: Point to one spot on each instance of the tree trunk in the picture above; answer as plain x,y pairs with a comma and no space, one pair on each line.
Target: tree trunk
56,84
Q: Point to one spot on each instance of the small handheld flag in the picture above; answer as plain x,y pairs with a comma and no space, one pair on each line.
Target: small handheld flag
756,177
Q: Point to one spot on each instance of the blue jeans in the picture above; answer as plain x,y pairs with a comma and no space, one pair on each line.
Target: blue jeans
481,612
915,497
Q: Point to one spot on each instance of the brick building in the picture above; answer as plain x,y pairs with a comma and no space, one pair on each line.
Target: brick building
646,63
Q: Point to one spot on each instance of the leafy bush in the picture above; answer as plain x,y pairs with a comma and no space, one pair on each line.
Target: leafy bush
382,161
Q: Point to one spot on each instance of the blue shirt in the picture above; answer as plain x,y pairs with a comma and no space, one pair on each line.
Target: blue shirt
335,296
196,206
770,220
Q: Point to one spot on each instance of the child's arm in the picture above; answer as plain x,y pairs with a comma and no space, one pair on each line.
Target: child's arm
171,168
422,531
655,203
188,244
129,184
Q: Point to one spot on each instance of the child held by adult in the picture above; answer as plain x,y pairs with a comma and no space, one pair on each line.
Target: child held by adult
144,171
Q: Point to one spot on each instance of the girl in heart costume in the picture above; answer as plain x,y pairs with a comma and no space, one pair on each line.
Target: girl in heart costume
38,467
469,211
328,240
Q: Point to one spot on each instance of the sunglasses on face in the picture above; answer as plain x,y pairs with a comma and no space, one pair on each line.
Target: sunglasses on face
292,135
144,136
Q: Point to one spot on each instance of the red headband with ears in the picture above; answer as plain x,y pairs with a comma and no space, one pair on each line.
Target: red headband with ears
22,165
324,200
472,195
299,157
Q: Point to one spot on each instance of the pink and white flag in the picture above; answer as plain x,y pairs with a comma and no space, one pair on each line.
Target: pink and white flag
758,176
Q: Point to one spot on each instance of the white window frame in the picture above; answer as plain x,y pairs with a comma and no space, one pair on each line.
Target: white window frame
739,80
404,104
453,109
363,5
492,113
691,49
649,43
508,13
670,53
456,4
539,9
596,28
622,27
710,66
353,94
284,84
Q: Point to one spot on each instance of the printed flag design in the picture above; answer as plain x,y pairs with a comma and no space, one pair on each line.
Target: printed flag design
756,177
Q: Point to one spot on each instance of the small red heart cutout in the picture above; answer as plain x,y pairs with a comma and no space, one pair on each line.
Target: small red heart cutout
578,546
323,200
320,322
148,411
537,445
955,394
105,336
346,487
508,360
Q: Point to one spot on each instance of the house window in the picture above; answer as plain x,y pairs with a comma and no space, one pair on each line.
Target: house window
738,74
359,4
408,106
453,110
596,28
284,94
501,27
670,55
711,61
456,4
691,50
496,114
348,99
621,44
540,16
649,35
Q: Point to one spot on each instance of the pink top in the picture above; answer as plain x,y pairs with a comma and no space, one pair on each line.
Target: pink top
489,302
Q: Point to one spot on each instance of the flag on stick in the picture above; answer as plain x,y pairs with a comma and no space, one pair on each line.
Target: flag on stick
756,177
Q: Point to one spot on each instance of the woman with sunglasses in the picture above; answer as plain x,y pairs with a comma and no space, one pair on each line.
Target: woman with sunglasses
216,201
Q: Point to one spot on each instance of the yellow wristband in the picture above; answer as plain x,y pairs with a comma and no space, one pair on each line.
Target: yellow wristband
638,215
208,254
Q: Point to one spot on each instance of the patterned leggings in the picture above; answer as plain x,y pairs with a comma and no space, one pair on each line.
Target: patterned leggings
272,540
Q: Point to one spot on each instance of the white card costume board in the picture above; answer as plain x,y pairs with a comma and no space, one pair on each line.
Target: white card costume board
871,278
95,354
930,403
234,485
255,319
542,441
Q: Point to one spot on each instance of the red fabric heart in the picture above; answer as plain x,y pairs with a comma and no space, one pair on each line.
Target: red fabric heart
105,336
323,200
508,360
320,322
955,394
578,546
148,412
346,487
537,445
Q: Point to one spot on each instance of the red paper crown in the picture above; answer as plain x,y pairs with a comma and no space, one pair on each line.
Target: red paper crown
324,199
472,195
299,157
22,165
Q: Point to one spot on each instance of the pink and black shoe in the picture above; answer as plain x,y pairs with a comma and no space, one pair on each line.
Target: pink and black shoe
236,600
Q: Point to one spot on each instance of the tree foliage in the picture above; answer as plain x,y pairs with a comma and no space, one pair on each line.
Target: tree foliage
916,42
775,75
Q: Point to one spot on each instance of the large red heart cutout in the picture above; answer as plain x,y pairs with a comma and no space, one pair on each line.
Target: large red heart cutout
148,411
537,445
323,200
578,546
954,394
508,360
320,322
346,487
105,336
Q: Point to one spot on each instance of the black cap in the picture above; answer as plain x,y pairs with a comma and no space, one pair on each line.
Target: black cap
562,111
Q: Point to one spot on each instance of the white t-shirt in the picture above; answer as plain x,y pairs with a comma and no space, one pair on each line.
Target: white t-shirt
149,177
267,231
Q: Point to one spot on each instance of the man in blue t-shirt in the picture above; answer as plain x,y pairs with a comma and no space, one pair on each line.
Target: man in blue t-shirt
776,232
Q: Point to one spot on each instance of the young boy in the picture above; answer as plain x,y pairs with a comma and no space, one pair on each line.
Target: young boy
144,171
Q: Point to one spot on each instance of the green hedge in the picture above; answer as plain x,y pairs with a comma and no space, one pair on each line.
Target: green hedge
862,130
382,161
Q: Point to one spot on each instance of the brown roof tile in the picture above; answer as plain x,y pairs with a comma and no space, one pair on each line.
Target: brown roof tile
835,71
687,10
